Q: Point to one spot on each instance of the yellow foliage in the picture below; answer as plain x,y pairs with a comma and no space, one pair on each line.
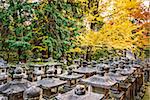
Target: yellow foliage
117,30
81,1
117,36
40,48
77,50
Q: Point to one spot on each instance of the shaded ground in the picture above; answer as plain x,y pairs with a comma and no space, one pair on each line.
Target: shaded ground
147,94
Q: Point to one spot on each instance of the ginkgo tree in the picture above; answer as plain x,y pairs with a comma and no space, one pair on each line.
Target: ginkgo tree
117,30
141,19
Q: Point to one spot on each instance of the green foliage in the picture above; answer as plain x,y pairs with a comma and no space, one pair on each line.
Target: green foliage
100,53
14,33
36,27
54,27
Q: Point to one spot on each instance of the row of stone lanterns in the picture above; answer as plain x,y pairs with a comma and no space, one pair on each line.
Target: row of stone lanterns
20,89
108,73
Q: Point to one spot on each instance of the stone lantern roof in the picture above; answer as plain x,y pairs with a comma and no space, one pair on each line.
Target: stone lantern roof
32,92
15,86
102,66
99,81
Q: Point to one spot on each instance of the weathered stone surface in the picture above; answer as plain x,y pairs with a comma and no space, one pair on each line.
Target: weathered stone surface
84,70
49,83
99,81
32,93
72,96
70,77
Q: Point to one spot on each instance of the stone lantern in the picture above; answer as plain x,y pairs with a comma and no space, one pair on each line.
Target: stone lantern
3,98
14,89
94,63
49,73
101,60
33,93
84,63
100,67
77,62
3,72
3,66
37,70
69,71
25,70
37,74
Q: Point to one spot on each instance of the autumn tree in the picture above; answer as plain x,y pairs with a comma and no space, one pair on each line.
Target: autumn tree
116,32
141,19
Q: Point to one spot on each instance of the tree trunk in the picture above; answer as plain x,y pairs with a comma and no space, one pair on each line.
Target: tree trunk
90,53
7,57
48,52
19,54
87,53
